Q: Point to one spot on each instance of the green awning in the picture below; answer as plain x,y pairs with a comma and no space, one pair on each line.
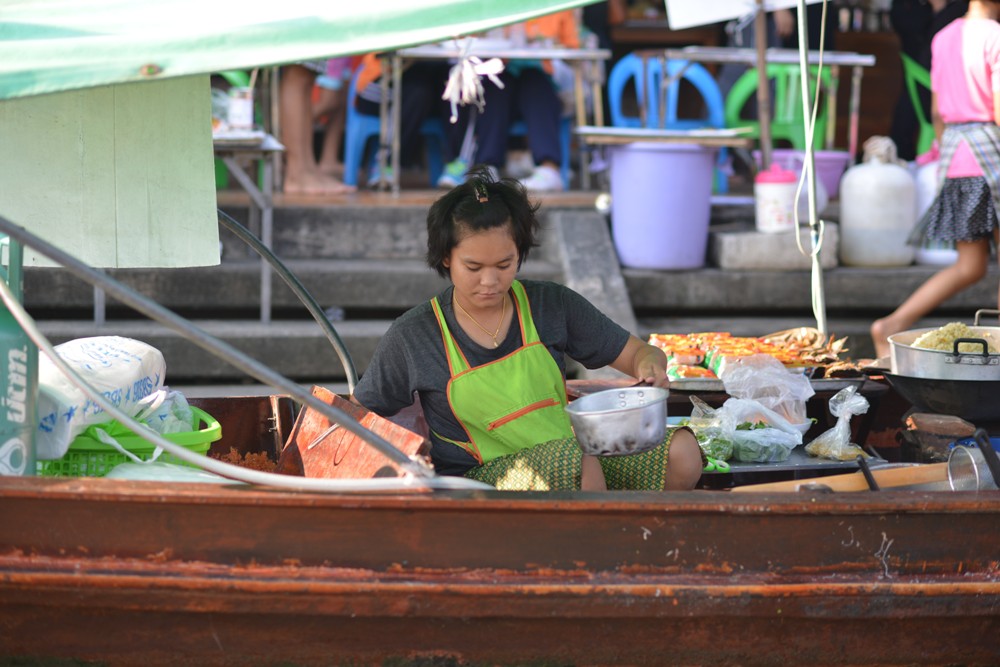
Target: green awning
57,45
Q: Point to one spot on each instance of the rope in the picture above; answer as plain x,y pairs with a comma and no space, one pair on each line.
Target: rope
465,84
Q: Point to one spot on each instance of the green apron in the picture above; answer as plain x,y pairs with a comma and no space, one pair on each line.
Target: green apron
509,404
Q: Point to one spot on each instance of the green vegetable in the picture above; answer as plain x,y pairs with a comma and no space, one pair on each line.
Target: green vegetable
714,444
750,426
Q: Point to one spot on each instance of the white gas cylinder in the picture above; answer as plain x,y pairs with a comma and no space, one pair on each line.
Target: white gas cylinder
877,209
925,176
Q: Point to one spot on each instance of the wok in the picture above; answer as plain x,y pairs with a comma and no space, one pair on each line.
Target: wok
973,400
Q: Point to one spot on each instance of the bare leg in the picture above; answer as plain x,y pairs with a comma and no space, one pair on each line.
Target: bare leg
996,241
302,175
968,269
331,105
684,466
591,475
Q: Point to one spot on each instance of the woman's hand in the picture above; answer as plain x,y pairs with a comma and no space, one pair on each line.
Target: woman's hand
644,362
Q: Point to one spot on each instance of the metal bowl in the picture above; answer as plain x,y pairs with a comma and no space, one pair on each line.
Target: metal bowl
617,422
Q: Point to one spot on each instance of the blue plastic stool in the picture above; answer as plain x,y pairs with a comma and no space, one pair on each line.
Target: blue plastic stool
360,128
630,68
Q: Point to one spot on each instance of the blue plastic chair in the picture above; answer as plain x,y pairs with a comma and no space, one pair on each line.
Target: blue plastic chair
630,68
360,129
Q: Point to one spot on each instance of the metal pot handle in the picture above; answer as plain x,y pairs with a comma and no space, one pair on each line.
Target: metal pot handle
982,439
971,341
985,311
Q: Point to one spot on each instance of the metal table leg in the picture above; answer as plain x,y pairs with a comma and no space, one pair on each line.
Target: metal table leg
855,112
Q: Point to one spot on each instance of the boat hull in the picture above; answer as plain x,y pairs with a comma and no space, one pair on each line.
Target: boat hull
125,572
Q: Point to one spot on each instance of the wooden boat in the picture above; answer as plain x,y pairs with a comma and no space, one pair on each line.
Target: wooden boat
128,572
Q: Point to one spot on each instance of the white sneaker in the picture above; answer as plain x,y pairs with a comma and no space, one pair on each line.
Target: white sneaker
544,179
519,164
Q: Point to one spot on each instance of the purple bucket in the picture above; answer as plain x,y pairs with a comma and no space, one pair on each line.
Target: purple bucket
830,165
661,204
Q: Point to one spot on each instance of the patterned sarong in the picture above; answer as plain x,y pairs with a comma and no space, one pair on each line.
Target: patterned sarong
555,465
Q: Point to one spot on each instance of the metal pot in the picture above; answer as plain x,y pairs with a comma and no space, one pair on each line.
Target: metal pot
916,362
620,421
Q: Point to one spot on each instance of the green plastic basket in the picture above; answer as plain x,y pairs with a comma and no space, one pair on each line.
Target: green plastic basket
89,457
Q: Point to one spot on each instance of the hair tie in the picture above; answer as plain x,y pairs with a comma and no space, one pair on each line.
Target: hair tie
481,194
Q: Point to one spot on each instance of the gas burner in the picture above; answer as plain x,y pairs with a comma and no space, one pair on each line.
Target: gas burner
926,437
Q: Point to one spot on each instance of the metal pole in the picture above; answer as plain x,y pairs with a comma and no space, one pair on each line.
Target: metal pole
763,88
809,166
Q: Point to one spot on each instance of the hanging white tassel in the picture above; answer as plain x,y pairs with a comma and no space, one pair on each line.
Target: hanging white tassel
464,81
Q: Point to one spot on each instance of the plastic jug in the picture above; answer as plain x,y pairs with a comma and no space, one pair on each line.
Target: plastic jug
925,178
774,195
877,209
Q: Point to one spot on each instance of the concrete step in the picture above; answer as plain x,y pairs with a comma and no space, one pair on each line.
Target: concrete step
232,289
296,349
864,291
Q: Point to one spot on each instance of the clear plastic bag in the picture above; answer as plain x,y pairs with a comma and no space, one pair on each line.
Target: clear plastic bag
744,430
707,427
752,442
836,443
762,378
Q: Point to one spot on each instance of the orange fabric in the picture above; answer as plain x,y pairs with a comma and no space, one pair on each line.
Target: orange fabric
560,27
371,70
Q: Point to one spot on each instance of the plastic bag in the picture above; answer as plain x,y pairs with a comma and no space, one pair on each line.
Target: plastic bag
123,370
164,411
707,427
762,378
836,443
759,434
744,430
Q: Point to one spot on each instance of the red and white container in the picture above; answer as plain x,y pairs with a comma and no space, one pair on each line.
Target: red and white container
774,195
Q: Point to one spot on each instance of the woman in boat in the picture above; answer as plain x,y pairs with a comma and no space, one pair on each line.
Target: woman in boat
486,358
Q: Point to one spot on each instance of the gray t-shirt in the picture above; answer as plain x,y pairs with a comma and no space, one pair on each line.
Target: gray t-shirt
410,359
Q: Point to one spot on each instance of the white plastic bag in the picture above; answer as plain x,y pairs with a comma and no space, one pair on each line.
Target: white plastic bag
123,370
762,378
836,443
759,434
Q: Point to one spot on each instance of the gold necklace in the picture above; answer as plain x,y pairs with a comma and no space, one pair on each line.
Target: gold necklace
503,311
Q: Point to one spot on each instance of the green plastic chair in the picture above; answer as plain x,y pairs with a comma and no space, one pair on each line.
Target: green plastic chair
787,121
915,75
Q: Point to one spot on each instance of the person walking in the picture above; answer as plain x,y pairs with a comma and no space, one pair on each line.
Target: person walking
965,106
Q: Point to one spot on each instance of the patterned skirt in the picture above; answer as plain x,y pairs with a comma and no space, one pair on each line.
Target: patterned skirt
964,211
555,465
